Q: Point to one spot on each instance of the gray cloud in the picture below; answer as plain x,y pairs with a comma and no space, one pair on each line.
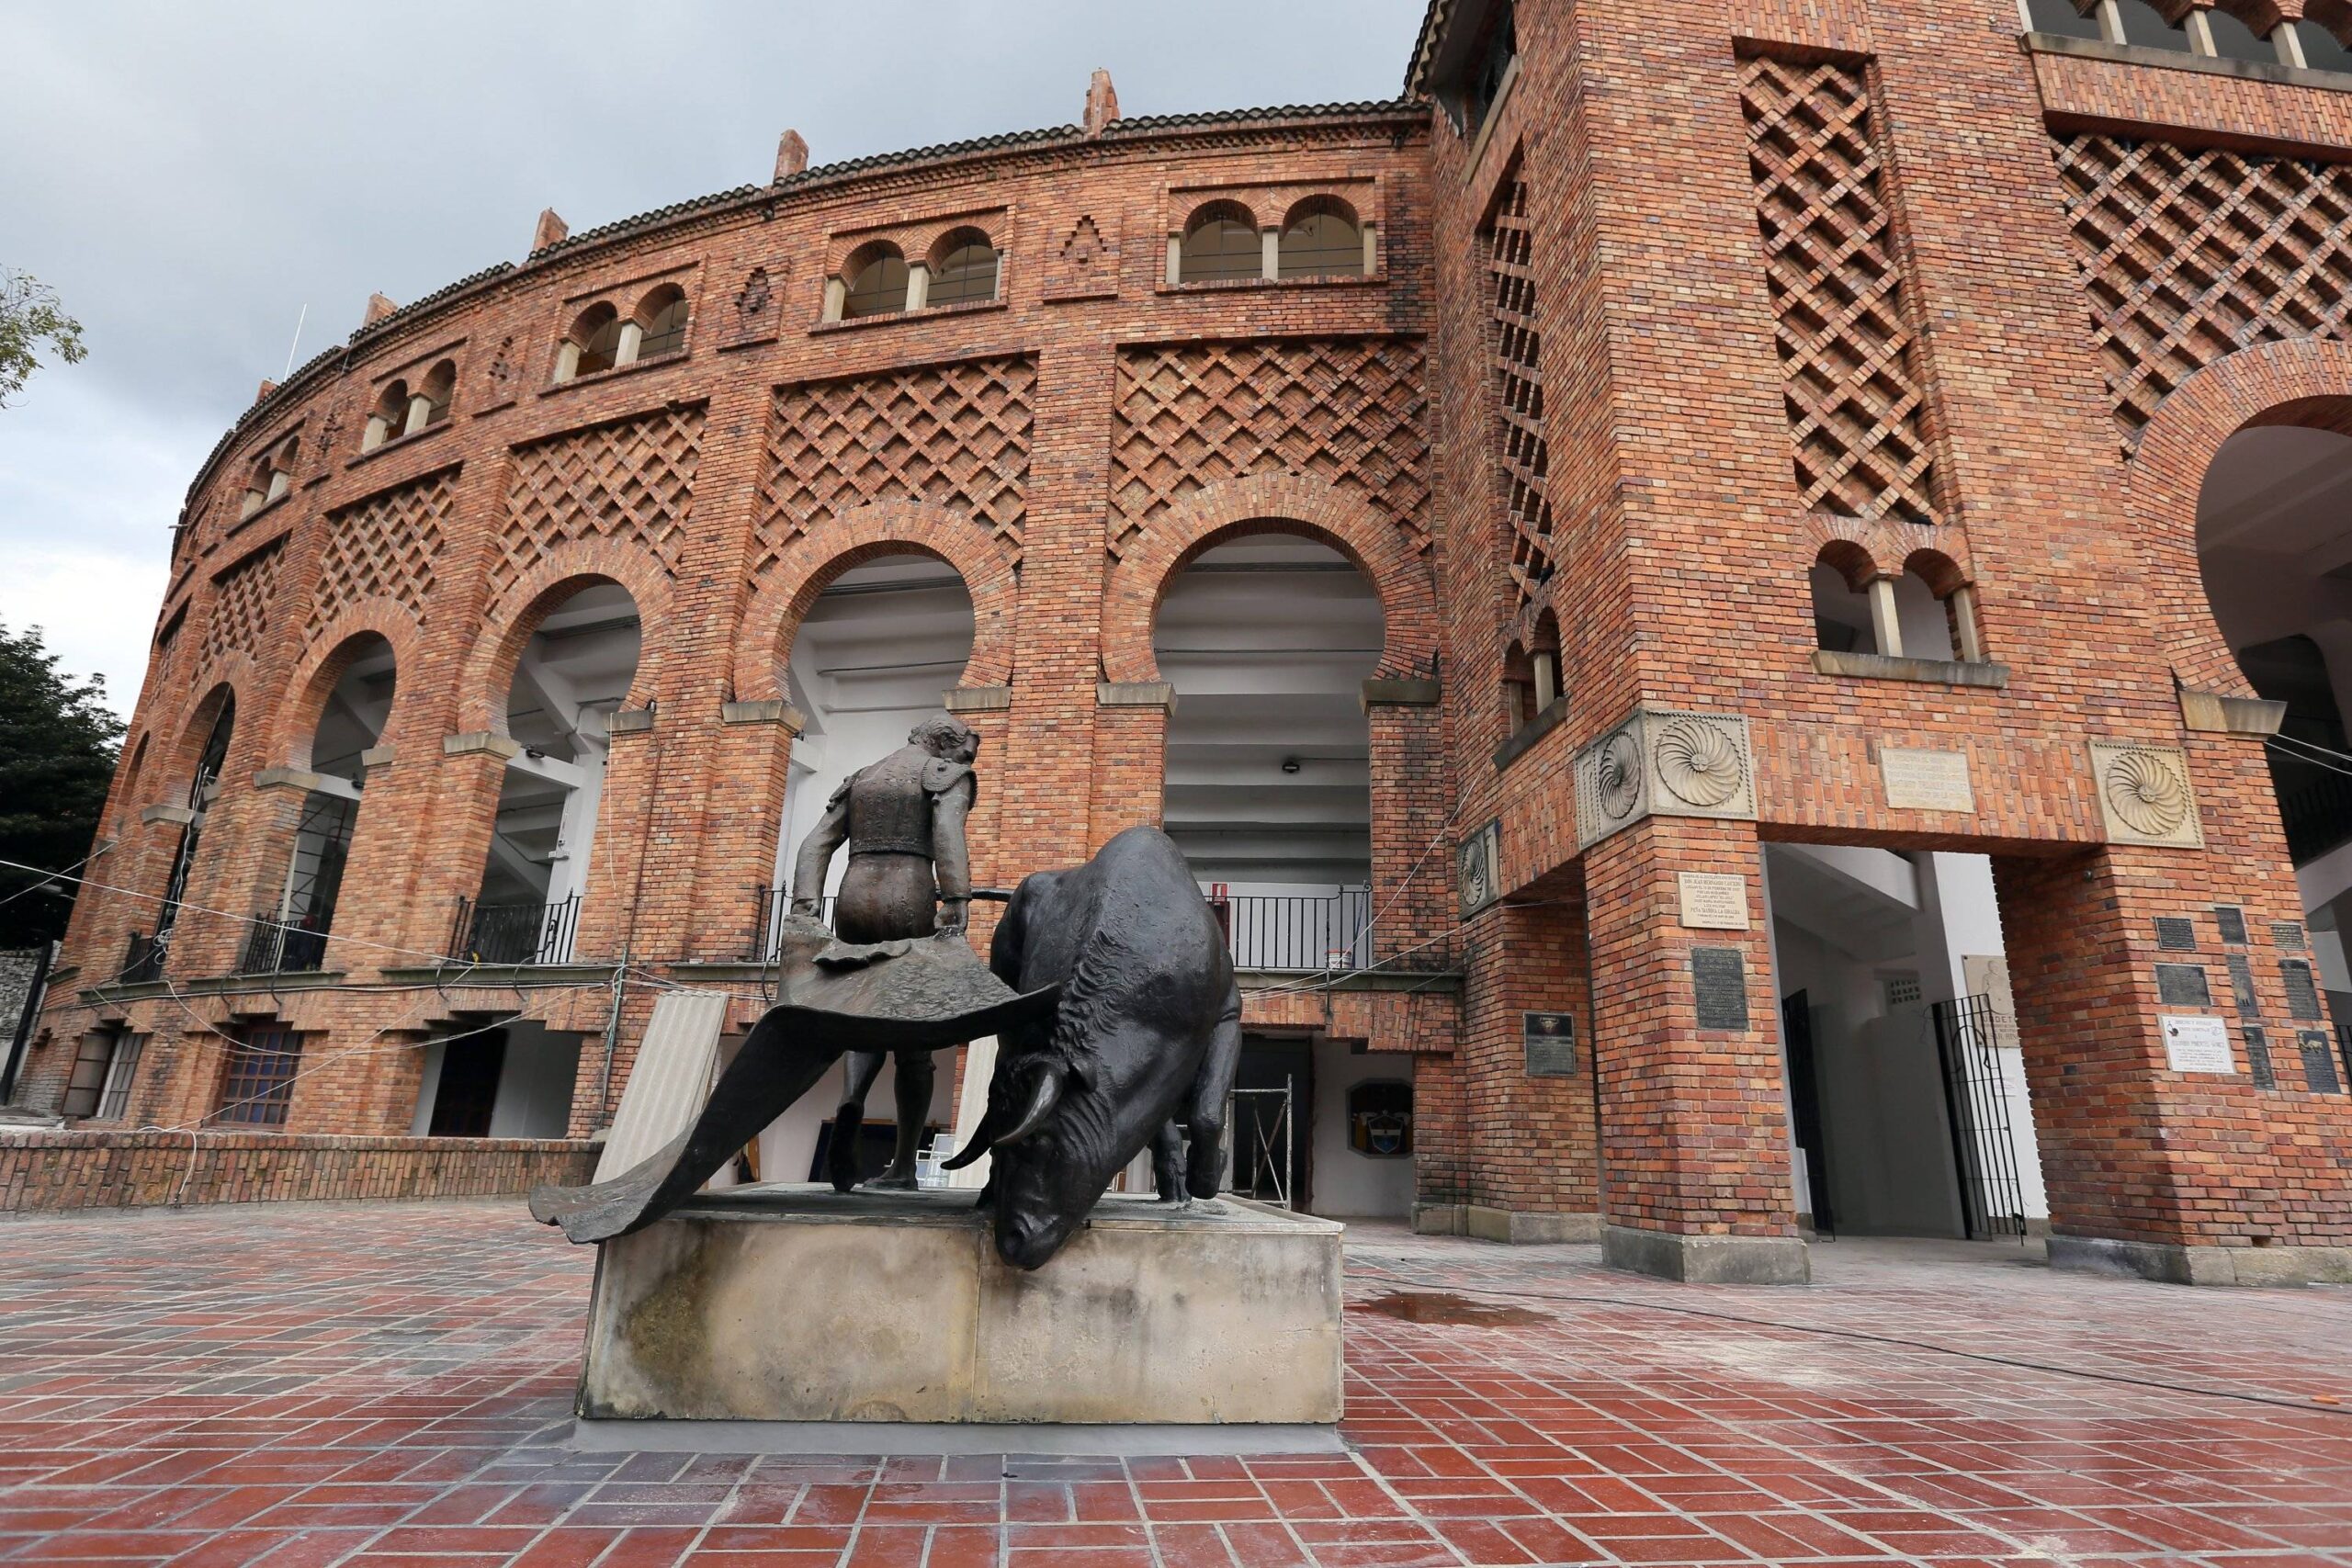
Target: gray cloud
190,177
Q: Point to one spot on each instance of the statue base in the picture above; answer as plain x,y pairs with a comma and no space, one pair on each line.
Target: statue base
795,1304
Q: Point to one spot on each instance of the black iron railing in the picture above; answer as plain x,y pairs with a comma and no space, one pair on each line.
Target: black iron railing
1977,1106
2316,811
143,961
770,906
278,946
514,933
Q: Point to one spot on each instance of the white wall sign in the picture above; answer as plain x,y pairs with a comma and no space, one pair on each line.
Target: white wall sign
2196,1045
1715,901
1926,781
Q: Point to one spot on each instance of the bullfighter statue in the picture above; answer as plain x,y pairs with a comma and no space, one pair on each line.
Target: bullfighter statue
902,820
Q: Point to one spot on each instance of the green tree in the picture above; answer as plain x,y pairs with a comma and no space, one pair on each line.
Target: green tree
30,317
58,744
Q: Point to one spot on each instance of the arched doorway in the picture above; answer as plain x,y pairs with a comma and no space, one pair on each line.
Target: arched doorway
293,937
2274,544
147,955
573,674
1267,639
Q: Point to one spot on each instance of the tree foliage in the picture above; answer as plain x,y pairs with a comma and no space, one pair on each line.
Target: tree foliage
58,744
30,316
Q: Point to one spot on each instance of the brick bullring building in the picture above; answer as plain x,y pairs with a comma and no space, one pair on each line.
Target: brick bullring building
1739,604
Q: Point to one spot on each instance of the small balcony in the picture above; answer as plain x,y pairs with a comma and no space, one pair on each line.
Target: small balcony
143,960
278,946
514,934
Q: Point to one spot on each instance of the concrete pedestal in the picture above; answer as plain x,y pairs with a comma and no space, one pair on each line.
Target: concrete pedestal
793,1304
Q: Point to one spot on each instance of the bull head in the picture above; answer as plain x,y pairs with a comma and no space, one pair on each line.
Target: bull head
1061,1130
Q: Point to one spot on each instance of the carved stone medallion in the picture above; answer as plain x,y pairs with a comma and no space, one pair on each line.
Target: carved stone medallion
1669,762
2145,795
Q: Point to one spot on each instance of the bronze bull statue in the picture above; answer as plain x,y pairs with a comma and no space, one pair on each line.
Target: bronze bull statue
1113,1002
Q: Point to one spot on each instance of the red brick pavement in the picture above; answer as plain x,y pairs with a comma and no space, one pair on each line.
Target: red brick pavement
388,1385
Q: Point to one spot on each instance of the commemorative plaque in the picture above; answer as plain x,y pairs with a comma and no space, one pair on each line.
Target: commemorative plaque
2196,1045
1719,986
1549,1040
2176,933
1917,779
2183,986
2303,996
2319,1063
2242,986
1714,900
2257,1057
2231,919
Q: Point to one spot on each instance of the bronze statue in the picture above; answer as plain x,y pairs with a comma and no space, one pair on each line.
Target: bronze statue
902,820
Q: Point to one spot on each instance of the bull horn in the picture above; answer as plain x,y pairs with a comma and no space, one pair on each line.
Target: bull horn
1042,1100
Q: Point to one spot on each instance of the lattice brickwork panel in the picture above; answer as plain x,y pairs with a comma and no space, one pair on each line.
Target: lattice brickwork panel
239,617
1847,347
631,482
384,547
956,435
1515,341
2189,254
1351,411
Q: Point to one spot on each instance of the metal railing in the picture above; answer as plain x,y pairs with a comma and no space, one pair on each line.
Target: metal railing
514,933
770,906
143,960
276,946
1295,933
1976,1105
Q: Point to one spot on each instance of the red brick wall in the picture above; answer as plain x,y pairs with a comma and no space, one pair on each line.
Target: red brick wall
54,1172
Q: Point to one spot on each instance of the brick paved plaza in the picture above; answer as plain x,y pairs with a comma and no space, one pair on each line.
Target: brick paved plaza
297,1385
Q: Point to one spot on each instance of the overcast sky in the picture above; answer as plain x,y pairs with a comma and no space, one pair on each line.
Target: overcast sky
188,182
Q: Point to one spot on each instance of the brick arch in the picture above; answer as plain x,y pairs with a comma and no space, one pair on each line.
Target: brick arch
1889,542
1271,503
177,765
330,654
835,544
562,570
2306,381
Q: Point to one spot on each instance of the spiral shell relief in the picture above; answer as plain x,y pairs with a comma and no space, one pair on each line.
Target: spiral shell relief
2146,791
1618,774
1700,763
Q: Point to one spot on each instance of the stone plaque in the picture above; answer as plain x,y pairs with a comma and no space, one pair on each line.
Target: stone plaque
2176,933
1478,869
2257,1058
1919,780
2196,1045
2145,795
2183,986
2231,919
1549,1040
1714,900
2288,934
1719,986
2241,986
2319,1062
2302,997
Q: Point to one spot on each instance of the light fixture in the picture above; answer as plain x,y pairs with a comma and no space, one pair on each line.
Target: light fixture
1289,765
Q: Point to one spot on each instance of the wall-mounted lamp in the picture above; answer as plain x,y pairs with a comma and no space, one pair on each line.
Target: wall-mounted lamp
1289,765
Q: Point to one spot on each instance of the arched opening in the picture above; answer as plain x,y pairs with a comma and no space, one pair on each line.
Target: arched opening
661,322
574,675
148,955
593,344
1267,638
1842,622
963,269
873,656
272,476
439,390
292,938
1321,239
2274,542
876,281
2320,34
388,418
2233,39
1221,244
2146,25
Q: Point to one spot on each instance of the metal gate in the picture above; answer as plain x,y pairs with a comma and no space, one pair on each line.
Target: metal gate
1258,1144
1976,1105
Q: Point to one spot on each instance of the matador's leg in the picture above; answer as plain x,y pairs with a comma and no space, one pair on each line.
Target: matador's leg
913,1084
840,1156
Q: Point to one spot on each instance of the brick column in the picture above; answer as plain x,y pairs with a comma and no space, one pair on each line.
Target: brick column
2190,1175
1130,759
1694,1181
1412,796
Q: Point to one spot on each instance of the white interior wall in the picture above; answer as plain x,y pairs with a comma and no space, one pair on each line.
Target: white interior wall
1349,1184
534,1083
790,1143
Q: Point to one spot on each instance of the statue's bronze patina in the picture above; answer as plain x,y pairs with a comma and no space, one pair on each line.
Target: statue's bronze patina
902,820
1108,987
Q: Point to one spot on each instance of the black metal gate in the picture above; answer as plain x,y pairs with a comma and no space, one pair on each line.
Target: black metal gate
1976,1104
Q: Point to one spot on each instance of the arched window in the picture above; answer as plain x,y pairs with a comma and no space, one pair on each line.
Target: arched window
876,280
1519,688
1321,239
661,318
1221,243
2146,26
1936,608
146,961
2063,17
272,476
2320,34
440,386
2235,39
1842,619
388,418
964,269
592,344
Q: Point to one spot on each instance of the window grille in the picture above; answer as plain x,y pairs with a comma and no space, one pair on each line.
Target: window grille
1223,249
114,1100
966,275
257,1081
